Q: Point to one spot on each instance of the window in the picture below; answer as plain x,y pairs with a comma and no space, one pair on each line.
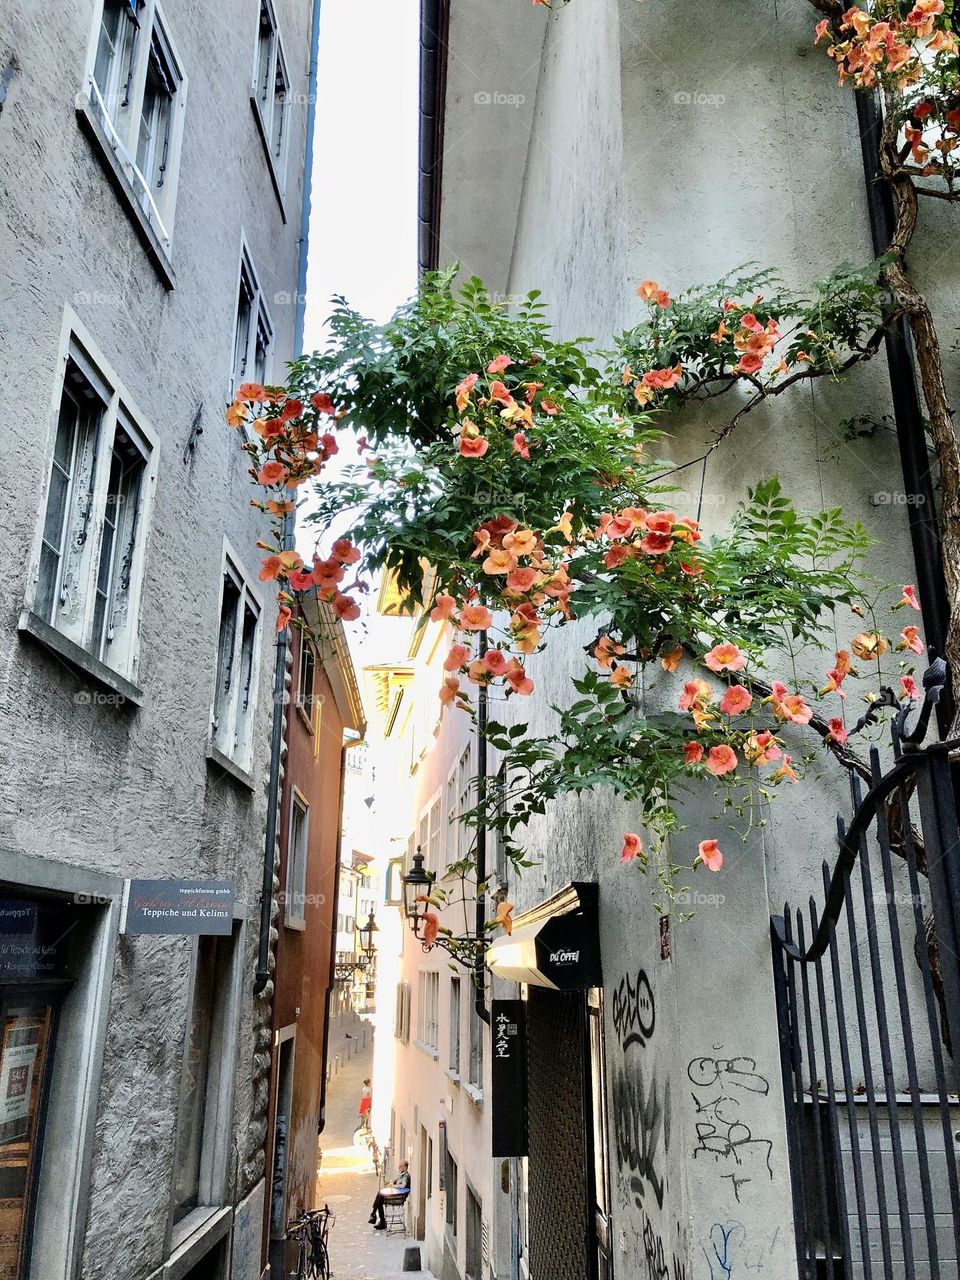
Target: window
428,1001
270,92
137,92
401,1023
455,1026
450,1182
253,330
436,835
450,834
464,801
91,543
394,883
206,1085
474,1259
305,679
237,668
294,908
475,1073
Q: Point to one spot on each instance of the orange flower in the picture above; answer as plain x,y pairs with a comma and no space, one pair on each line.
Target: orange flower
910,639
475,617
498,364
522,542
495,661
656,544
431,928
504,916
868,645
279,508
500,393
272,473
606,650
694,691
692,752
346,608
473,446
710,854
518,679
284,615
785,771
736,700
910,688
520,445
721,759
794,709
642,394
760,748
499,561
663,379
651,292
323,404
456,658
672,658
251,391
725,657
344,551
464,389
621,677
520,581
837,732
270,569
444,607
632,847
449,690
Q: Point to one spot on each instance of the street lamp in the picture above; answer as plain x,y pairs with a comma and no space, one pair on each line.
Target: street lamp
416,889
422,916
367,944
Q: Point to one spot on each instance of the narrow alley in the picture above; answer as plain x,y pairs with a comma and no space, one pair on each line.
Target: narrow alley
347,1181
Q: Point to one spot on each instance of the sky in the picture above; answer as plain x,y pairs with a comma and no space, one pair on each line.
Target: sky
363,227
363,224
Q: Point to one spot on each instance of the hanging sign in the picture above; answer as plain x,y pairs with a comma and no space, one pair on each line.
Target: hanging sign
186,907
509,1072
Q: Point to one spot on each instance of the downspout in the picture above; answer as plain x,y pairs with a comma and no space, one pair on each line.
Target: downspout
279,678
915,462
331,977
434,23
479,999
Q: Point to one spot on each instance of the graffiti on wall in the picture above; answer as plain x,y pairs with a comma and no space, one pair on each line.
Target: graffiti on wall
641,1105
723,1088
655,1255
730,1257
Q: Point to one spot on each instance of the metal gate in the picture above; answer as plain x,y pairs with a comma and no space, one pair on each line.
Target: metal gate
868,1006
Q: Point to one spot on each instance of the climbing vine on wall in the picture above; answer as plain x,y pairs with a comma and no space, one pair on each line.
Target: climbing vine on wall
512,488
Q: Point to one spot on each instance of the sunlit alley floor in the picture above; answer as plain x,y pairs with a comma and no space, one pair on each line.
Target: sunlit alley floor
348,1183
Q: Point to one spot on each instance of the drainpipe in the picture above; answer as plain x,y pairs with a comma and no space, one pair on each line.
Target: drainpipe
915,462
434,21
279,678
480,1003
331,977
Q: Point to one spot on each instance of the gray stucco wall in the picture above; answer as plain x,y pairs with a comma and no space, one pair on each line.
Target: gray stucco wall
121,788
679,148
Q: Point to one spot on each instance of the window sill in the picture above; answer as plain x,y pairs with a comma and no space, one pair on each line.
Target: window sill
223,762
452,1076
83,663
271,165
193,1237
428,1049
474,1094
91,126
307,721
291,922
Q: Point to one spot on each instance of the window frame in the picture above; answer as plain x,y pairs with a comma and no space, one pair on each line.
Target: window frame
240,754
428,1011
243,368
307,656
263,99
455,1005
121,125
119,413
299,806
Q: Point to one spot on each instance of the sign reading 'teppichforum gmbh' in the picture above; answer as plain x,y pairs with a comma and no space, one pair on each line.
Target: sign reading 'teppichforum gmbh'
178,906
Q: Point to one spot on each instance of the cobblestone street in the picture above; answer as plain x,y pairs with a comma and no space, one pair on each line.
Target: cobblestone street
348,1183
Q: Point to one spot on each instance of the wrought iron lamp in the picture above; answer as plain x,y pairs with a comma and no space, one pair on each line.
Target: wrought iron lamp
418,885
345,969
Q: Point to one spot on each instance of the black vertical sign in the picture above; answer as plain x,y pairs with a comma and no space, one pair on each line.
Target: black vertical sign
508,1030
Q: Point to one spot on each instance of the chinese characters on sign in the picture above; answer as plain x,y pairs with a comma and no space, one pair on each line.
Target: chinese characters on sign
509,1069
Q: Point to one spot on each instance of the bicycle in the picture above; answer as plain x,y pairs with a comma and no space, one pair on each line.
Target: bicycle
311,1231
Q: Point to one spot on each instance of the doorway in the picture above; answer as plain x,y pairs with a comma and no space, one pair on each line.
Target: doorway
423,1181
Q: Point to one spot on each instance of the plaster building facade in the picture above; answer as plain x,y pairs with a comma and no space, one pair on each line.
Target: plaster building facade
618,135
152,223
324,720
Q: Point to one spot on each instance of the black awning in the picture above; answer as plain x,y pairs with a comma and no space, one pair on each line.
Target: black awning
556,945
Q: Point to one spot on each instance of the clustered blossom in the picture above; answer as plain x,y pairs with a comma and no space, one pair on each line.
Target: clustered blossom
288,445
881,46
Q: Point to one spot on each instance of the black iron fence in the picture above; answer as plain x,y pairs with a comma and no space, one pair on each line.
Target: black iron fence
868,1003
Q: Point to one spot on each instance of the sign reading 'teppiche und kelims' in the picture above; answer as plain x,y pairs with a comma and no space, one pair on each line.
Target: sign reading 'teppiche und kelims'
178,906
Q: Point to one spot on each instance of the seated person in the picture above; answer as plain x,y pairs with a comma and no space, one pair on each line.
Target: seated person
399,1187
